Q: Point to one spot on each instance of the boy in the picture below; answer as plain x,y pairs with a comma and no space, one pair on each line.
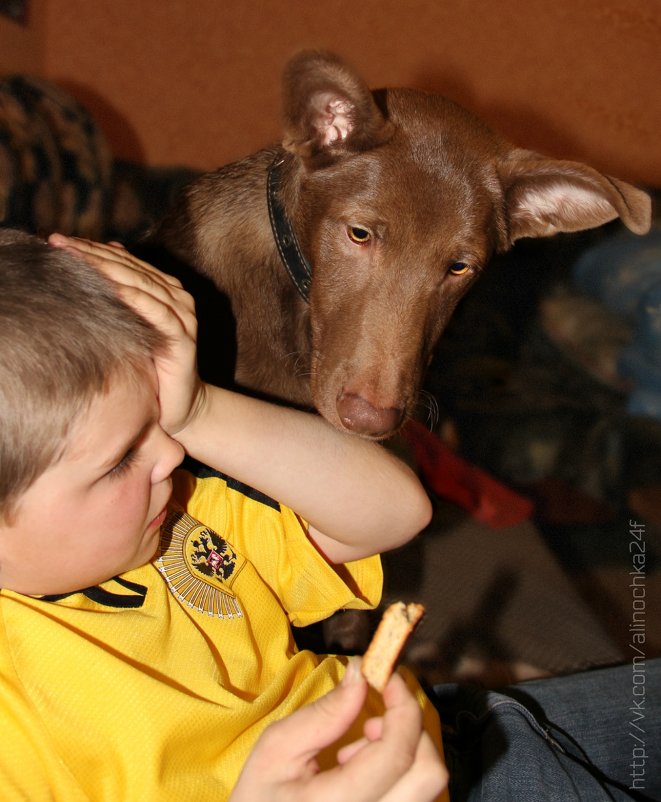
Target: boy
145,639
145,642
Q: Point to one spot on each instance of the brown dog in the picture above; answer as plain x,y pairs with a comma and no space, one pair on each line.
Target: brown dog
385,207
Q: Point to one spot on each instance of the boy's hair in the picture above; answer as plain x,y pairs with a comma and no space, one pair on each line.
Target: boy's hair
64,333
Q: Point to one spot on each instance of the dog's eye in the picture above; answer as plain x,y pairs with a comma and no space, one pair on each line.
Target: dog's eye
358,235
459,268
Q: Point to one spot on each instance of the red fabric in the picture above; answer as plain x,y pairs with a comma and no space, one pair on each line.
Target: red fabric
454,479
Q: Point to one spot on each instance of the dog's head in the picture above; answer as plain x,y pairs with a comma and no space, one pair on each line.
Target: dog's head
401,199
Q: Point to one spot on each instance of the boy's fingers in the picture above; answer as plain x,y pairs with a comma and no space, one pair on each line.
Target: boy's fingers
349,751
137,281
392,756
294,742
284,758
372,728
426,778
166,317
109,255
85,247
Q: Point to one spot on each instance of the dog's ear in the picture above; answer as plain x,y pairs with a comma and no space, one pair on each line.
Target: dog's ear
545,196
328,110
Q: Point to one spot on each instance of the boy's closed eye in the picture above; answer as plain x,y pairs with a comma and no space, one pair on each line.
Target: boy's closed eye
124,464
129,455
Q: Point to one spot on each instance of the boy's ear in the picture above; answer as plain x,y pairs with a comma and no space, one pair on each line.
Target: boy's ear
328,110
545,196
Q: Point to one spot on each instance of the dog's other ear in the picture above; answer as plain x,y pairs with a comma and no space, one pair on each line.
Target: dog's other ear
328,110
545,196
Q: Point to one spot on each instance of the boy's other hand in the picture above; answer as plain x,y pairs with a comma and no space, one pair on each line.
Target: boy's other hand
395,760
162,301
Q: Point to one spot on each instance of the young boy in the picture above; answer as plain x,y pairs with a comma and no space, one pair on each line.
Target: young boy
145,640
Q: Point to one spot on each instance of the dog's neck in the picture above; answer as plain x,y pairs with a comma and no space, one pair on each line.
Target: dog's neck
296,265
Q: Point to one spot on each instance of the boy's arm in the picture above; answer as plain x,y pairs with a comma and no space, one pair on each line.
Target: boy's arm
357,498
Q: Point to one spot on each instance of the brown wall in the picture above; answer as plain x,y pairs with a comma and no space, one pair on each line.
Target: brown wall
197,83
22,46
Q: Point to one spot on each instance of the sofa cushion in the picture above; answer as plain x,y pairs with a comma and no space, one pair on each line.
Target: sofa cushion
55,164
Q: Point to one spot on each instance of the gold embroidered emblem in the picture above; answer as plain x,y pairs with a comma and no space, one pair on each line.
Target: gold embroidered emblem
199,566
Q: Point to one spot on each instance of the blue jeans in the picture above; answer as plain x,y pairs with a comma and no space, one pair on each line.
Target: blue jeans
593,737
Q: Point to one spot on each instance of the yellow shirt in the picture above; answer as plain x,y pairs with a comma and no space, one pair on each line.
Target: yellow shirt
156,684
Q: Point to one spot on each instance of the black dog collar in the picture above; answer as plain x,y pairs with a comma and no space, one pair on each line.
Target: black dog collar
290,252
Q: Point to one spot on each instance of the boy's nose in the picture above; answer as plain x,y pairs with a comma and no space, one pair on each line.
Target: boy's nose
170,455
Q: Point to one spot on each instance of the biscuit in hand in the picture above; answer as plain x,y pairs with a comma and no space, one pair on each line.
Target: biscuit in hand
397,623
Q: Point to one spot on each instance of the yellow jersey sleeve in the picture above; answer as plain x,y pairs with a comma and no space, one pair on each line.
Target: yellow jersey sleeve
275,541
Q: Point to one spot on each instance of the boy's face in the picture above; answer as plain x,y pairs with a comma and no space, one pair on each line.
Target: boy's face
97,511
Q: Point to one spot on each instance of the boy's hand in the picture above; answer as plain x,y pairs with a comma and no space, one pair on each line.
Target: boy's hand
395,761
162,301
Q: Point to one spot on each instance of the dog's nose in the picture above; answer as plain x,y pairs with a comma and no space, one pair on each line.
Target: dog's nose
359,416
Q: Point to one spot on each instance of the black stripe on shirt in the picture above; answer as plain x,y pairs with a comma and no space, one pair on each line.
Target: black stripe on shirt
105,597
204,472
